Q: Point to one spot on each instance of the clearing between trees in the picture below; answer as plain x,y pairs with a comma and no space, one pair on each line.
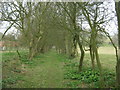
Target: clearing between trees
53,70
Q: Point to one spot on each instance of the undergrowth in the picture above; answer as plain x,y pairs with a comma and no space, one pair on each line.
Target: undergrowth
88,78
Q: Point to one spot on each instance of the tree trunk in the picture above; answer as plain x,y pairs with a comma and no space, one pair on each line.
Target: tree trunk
92,55
31,51
81,57
95,52
117,8
118,73
97,59
82,54
73,47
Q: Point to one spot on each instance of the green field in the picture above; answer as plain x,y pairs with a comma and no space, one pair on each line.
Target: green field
52,70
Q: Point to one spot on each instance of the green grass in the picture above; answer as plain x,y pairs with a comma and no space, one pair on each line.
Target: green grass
52,70
45,70
108,61
46,74
88,78
11,68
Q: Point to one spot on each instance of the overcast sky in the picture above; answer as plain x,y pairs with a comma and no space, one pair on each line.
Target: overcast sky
112,26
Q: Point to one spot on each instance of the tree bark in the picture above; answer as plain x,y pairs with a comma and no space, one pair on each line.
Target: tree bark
81,57
31,50
117,8
92,56
118,73
82,54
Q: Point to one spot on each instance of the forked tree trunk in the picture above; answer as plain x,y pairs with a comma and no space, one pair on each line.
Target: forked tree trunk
82,53
81,57
95,52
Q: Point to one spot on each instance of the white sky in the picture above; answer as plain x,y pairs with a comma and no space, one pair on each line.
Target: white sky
112,26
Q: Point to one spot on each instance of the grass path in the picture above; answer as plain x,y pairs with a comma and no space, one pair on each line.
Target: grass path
48,70
48,74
